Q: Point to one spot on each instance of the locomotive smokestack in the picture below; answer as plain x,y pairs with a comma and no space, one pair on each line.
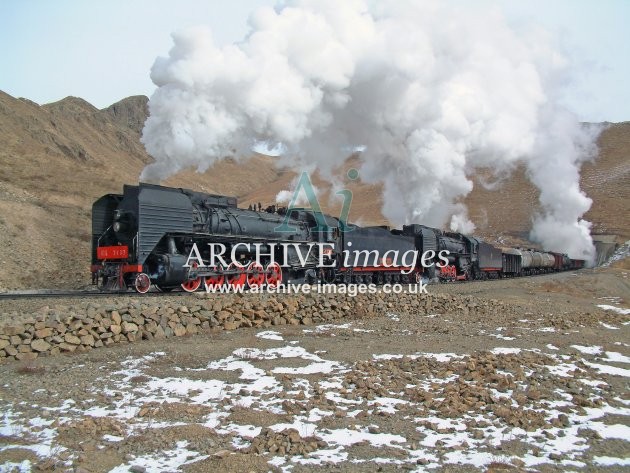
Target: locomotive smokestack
429,93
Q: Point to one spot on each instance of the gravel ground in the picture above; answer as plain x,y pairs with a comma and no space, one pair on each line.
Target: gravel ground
540,387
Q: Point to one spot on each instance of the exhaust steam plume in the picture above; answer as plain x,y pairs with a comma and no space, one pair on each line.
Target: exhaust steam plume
428,93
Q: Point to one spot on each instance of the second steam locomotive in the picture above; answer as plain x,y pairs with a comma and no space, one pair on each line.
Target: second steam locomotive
146,236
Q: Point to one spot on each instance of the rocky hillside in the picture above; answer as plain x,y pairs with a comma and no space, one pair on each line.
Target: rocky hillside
55,159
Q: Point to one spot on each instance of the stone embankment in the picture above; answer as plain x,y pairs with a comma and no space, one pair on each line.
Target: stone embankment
84,326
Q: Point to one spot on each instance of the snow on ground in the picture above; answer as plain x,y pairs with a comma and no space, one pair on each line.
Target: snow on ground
608,326
613,308
423,410
594,350
269,335
620,253
617,357
168,460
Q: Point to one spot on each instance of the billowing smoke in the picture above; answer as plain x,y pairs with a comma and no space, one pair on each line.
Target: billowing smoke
429,94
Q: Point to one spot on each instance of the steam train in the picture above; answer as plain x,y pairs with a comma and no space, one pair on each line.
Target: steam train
145,237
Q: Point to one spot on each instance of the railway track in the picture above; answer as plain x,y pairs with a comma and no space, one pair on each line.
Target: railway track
96,293
70,294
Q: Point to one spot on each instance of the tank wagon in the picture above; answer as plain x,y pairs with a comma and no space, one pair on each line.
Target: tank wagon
535,262
144,237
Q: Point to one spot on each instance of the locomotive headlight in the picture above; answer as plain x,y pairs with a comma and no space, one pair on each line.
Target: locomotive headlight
122,221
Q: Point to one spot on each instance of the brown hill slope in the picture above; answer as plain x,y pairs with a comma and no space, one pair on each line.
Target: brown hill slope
607,181
57,158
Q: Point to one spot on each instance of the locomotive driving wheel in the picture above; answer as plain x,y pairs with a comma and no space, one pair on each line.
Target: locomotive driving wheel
191,285
236,277
274,275
142,283
255,275
216,281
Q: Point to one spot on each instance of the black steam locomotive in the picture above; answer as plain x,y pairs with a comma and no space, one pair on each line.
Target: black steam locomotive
146,236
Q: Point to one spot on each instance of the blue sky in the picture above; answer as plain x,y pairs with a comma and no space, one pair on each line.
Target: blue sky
103,50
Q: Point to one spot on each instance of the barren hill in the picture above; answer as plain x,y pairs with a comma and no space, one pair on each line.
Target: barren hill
55,159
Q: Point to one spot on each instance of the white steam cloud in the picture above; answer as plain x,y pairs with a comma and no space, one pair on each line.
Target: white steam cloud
432,94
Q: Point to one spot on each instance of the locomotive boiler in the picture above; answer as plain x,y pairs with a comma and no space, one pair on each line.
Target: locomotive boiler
145,236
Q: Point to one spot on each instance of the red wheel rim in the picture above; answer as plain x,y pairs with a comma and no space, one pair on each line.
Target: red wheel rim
214,282
274,275
142,283
255,275
238,278
192,284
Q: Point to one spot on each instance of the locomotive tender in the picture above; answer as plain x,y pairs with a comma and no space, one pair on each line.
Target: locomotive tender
145,236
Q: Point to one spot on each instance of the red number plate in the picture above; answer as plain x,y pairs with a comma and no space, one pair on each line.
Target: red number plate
112,252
